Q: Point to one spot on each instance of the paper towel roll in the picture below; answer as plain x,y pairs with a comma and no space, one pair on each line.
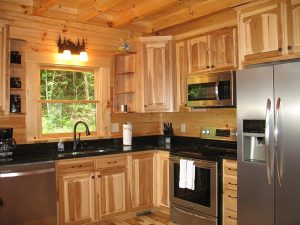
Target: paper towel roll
127,134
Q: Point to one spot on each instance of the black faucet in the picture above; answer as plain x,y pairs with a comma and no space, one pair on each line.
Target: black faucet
77,141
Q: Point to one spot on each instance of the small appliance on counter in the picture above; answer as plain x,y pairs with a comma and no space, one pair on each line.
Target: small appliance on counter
15,57
15,103
7,143
168,132
127,134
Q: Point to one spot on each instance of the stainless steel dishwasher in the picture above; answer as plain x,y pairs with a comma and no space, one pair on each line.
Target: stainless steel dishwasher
28,194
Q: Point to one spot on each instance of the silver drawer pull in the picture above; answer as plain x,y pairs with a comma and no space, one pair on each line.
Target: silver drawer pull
232,169
77,166
112,162
232,184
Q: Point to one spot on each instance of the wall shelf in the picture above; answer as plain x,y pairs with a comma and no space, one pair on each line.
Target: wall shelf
124,82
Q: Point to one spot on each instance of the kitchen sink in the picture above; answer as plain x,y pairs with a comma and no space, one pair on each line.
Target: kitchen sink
84,152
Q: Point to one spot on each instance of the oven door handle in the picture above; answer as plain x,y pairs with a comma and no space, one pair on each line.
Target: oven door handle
195,215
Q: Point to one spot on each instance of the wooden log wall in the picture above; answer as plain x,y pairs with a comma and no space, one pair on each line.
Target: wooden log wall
41,35
221,118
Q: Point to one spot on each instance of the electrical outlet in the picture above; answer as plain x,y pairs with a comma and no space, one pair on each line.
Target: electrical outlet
115,127
182,127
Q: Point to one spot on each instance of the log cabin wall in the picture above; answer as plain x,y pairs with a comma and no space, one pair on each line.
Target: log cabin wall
41,35
194,121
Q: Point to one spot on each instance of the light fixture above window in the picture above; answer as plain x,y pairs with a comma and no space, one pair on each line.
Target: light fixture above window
67,49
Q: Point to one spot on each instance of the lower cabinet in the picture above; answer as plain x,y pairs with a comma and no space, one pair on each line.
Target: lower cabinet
142,181
229,192
95,188
77,198
162,187
111,189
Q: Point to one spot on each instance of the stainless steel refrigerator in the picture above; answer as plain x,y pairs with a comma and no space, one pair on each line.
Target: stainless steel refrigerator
268,114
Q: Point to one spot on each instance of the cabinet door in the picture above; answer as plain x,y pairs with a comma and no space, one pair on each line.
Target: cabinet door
198,54
76,196
142,181
293,26
181,72
157,77
223,50
4,32
163,198
261,31
111,190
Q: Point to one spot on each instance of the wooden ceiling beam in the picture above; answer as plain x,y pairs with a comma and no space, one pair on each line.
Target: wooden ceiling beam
93,8
142,10
41,6
204,8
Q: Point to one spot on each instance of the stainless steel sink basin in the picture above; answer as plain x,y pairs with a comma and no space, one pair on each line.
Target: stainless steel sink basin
83,152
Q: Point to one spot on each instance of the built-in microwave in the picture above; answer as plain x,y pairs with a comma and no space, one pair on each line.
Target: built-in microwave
209,90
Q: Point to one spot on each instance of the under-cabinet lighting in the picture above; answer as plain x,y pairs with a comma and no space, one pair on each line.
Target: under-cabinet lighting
83,56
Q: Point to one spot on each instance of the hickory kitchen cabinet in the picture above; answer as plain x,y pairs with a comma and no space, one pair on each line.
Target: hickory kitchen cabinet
181,75
163,185
142,181
111,186
293,26
156,64
214,51
229,192
269,31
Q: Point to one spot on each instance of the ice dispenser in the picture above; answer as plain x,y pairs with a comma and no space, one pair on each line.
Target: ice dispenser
254,141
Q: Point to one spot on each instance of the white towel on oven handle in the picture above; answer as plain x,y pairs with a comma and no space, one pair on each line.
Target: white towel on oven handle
182,173
190,175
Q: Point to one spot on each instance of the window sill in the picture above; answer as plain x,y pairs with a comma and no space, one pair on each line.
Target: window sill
56,139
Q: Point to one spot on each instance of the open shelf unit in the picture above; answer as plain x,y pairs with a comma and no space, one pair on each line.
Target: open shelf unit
124,88
17,70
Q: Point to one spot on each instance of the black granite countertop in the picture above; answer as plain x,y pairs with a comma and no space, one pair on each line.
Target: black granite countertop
32,153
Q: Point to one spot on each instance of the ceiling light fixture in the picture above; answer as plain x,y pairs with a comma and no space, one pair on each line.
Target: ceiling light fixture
67,48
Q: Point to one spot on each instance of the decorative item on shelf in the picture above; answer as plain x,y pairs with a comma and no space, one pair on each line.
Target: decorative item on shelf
124,46
67,48
15,103
15,57
15,82
124,108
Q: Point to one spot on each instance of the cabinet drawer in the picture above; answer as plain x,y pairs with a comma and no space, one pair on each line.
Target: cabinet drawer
230,167
230,217
69,167
111,162
230,182
230,200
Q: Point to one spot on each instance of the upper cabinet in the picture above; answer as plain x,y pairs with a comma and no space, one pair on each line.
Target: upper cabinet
224,49
156,56
198,54
181,75
269,31
212,52
293,26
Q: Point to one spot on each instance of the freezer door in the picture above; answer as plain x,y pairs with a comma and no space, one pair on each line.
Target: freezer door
255,191
287,188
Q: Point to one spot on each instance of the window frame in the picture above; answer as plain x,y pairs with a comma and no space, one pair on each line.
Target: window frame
96,99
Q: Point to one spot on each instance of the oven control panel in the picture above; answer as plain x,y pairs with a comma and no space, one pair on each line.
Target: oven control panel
229,134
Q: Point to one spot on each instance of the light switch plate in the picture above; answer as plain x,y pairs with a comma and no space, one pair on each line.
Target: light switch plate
115,127
182,127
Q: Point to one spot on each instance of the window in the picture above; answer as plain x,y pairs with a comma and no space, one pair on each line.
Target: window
66,96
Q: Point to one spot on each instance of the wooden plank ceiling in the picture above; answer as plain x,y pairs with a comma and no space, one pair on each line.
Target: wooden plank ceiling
147,16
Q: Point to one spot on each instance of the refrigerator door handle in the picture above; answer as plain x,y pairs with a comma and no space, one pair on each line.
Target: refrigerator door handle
276,131
267,141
